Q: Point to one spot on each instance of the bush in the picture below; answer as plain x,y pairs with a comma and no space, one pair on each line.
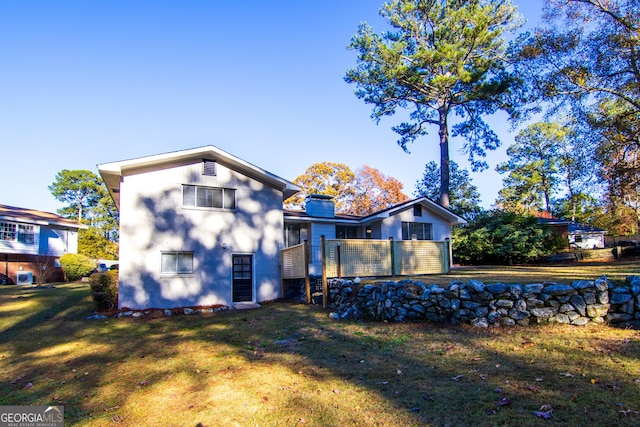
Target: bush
499,237
104,290
76,266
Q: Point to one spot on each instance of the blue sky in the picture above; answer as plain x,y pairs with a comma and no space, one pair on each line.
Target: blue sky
90,82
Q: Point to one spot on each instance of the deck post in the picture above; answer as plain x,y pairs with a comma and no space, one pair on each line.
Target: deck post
307,282
325,291
392,250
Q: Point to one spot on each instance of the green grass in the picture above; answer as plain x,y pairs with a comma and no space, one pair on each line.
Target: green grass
289,364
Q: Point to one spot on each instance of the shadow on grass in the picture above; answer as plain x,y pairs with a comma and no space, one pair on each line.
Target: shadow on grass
287,363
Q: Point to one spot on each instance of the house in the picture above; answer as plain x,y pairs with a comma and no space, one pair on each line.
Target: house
31,242
418,219
577,235
202,227
197,227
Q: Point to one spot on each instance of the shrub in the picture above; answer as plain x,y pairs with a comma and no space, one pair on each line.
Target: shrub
104,290
76,266
499,237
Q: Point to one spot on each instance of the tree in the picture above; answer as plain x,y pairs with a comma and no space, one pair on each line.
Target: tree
589,52
81,189
92,243
504,238
332,179
89,203
442,56
465,198
533,166
586,60
618,152
373,191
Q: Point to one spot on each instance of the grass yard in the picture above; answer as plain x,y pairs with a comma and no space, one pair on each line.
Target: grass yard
288,364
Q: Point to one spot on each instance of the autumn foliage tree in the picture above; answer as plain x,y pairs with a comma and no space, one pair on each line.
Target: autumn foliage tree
361,193
375,191
329,178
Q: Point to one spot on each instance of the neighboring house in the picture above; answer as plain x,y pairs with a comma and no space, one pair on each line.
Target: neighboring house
418,219
578,236
31,242
583,236
197,227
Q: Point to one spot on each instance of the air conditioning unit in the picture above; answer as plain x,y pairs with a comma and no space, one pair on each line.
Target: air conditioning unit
24,278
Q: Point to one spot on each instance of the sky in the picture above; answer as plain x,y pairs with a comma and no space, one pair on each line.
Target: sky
88,82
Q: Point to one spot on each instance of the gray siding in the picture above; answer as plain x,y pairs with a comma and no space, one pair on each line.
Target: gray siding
152,220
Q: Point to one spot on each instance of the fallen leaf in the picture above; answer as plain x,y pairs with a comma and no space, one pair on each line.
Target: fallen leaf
566,374
545,415
594,381
504,401
399,372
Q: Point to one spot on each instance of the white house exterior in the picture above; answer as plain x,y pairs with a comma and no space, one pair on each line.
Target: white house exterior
418,219
33,240
198,227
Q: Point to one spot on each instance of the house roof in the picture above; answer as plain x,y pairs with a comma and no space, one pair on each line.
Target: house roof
112,172
425,202
572,226
32,216
384,213
576,227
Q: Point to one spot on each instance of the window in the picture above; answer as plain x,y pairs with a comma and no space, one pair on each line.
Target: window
416,231
291,235
177,263
25,234
7,231
417,210
346,232
209,168
208,197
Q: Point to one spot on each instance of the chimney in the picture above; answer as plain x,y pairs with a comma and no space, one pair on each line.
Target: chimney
320,206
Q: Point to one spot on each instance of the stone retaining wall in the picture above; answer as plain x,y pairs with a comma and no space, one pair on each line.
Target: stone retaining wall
476,303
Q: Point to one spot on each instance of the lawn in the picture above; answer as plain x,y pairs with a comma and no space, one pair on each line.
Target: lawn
289,364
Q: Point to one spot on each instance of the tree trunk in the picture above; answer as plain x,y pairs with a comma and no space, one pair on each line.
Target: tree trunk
444,158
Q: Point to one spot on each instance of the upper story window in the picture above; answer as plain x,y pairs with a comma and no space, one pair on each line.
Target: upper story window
17,232
208,197
209,167
417,210
7,231
25,234
416,231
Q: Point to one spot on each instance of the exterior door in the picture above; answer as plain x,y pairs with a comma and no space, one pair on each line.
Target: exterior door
242,278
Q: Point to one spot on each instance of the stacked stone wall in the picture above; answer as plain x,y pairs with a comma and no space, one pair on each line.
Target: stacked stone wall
480,304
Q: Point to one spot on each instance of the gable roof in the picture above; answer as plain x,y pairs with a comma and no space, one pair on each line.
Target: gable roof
381,214
32,216
112,172
425,202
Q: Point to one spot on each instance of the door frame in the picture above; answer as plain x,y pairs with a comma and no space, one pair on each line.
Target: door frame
253,281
